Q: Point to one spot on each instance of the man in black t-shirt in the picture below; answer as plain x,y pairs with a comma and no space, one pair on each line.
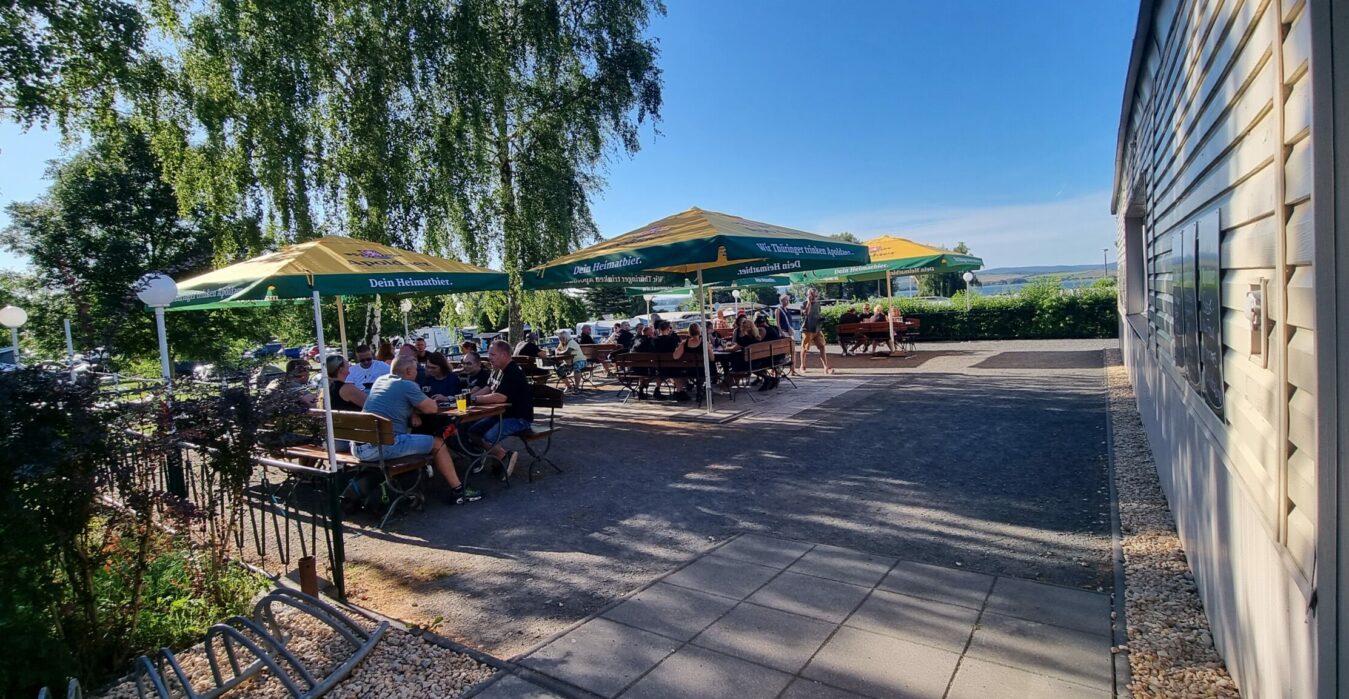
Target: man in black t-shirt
623,336
476,373
508,385
666,339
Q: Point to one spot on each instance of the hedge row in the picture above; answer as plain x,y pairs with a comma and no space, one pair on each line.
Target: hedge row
1089,313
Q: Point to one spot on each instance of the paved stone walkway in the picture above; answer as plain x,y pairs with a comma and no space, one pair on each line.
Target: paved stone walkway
765,617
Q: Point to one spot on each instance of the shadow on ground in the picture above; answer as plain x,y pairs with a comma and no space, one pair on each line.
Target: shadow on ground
999,473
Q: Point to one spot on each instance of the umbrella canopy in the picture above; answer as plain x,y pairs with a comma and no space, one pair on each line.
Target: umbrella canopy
746,283
891,255
332,266
670,253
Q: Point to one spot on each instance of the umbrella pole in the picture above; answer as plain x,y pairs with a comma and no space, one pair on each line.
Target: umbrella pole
707,340
889,317
341,328
323,385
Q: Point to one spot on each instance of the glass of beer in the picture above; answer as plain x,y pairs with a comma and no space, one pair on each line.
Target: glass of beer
461,402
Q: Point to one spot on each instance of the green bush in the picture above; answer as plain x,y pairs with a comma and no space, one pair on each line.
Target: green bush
1039,312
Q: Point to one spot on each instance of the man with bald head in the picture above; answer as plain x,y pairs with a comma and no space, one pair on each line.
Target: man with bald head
398,397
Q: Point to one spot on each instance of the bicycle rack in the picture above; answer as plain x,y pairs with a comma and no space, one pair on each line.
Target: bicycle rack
239,648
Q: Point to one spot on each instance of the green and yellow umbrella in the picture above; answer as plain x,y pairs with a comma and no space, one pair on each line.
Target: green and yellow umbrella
672,252
698,247
892,255
332,266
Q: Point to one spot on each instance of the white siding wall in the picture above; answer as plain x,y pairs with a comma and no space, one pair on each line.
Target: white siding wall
1222,122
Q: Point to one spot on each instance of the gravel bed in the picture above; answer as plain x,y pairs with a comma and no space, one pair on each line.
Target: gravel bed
1170,649
400,665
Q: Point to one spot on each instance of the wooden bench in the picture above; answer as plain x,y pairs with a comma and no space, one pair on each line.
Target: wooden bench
635,367
369,428
875,331
770,357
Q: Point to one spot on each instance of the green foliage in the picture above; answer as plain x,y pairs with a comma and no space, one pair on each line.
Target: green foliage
66,58
614,301
107,220
1088,313
88,584
1104,283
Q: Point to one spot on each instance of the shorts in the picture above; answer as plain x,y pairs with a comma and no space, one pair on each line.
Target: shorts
812,337
493,429
568,369
403,445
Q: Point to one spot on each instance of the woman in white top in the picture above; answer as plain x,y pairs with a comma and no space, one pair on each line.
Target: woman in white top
570,360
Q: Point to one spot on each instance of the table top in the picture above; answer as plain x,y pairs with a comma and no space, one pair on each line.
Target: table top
475,412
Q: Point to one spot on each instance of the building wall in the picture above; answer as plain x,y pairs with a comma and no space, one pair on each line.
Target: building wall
1221,122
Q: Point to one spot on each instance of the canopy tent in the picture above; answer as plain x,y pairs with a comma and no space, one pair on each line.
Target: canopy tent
893,256
673,251
746,283
333,266
695,246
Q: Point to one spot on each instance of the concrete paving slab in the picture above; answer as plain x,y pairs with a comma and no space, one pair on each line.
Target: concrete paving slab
843,565
722,576
978,679
938,583
767,636
810,689
601,656
946,626
766,551
1076,656
697,673
512,687
881,666
1051,604
677,612
819,598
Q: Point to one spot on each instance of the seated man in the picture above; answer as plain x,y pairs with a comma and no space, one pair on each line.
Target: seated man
529,347
406,350
367,368
420,345
586,338
509,385
476,374
397,396
767,333
295,384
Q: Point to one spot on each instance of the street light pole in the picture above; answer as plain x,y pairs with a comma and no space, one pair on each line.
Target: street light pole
13,318
1105,264
158,291
968,277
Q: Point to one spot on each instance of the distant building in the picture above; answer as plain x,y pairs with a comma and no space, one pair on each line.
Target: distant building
1232,197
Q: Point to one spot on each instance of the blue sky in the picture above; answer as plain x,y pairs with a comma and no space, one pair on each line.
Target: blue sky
991,123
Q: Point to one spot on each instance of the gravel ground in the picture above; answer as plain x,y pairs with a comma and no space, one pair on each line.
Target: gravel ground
401,665
1171,653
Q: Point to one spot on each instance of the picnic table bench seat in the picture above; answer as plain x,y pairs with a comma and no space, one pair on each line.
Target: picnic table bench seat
906,332
773,356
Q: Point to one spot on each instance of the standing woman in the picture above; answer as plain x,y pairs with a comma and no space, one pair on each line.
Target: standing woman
811,334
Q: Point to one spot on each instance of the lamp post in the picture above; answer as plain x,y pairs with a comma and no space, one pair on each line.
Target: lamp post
1105,264
13,317
405,307
735,294
968,277
648,298
157,291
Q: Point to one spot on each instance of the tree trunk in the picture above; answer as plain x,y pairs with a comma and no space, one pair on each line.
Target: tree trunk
510,226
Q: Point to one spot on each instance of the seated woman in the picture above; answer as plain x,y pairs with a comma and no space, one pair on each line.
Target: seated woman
691,346
745,335
439,382
342,395
570,360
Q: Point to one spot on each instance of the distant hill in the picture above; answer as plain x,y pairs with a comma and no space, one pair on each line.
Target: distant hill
1046,269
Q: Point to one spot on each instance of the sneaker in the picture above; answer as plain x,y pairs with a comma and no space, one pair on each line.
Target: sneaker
511,461
462,496
477,468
